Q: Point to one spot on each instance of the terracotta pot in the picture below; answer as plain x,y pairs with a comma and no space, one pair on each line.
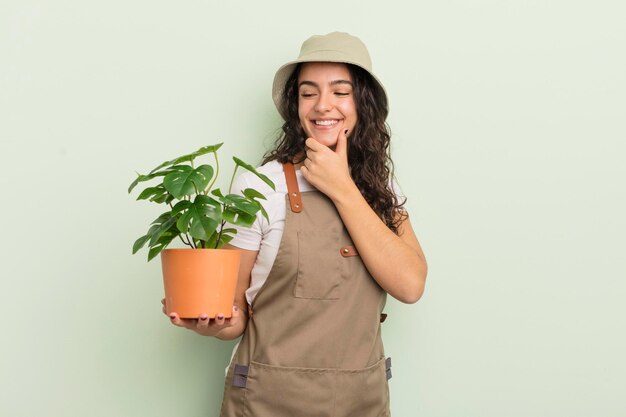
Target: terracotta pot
200,281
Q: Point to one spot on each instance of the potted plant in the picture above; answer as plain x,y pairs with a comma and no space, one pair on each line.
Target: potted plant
203,277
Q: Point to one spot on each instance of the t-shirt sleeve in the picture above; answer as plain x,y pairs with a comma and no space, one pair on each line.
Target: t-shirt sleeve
246,238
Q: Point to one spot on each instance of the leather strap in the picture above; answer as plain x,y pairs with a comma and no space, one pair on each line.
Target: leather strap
295,201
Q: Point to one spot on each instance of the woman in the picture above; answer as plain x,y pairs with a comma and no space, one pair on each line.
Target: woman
314,279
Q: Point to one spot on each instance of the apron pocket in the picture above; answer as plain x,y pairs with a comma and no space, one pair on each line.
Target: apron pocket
320,270
363,392
276,391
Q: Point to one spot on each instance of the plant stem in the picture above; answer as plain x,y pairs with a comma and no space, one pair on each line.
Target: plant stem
230,187
186,242
217,172
219,235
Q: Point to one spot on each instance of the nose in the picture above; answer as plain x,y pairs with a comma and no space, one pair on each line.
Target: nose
324,103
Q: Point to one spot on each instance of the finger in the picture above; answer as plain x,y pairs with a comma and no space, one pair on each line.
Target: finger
305,172
177,321
342,143
313,144
203,321
234,318
219,319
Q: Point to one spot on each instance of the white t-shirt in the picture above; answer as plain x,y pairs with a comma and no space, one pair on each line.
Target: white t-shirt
265,236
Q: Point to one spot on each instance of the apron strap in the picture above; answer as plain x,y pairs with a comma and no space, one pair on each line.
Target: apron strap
295,201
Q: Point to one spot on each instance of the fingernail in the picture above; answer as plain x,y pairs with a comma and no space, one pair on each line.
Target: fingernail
236,308
220,316
204,317
172,316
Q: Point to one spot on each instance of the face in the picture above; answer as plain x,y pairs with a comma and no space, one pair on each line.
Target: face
326,101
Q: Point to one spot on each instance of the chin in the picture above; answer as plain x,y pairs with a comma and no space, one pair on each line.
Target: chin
329,139
328,142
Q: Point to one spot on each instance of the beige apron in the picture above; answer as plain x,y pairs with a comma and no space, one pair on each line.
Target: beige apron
312,347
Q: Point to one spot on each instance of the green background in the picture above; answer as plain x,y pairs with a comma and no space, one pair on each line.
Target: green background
509,141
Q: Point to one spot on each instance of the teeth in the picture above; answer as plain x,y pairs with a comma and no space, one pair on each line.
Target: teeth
325,122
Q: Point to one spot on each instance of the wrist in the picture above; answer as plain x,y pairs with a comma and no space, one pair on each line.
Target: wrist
347,196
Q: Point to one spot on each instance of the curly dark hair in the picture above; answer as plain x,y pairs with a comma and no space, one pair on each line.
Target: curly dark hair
370,163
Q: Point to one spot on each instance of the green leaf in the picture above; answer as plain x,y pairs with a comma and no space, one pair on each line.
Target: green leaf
250,168
201,218
243,204
264,213
139,243
210,243
181,181
152,193
218,193
143,178
165,198
154,251
224,240
239,218
189,157
181,206
166,222
159,220
162,243
161,233
252,194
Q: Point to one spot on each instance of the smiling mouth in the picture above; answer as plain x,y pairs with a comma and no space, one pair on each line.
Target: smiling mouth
331,122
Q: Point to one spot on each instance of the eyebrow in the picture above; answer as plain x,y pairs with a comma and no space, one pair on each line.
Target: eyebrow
316,85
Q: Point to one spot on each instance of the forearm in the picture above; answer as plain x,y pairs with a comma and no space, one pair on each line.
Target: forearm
397,267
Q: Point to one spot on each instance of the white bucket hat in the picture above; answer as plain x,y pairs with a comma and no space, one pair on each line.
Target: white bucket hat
333,47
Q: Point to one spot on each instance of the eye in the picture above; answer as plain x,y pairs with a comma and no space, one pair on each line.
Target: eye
306,95
342,94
